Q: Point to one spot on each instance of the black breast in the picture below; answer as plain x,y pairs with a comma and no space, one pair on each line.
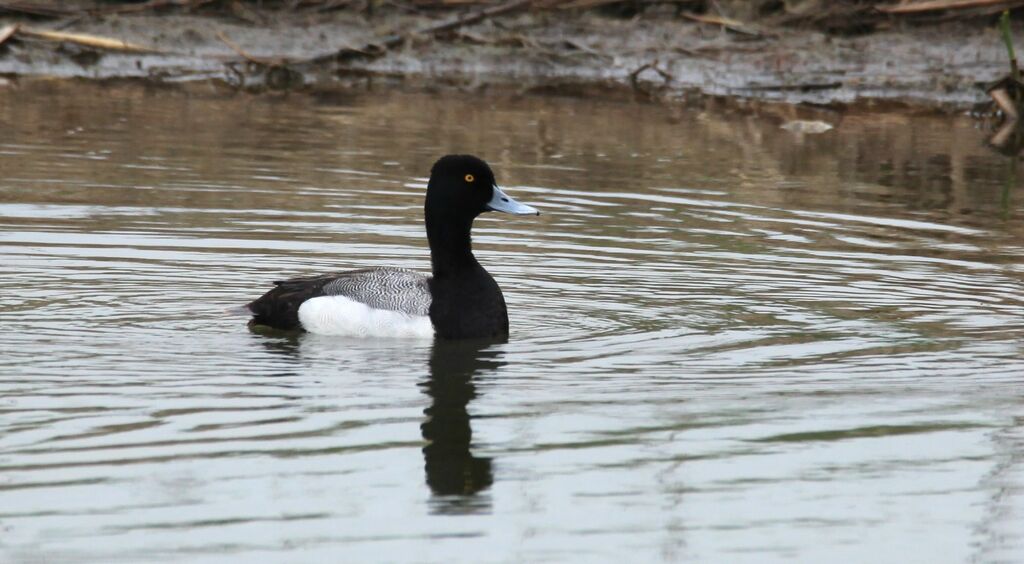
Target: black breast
467,304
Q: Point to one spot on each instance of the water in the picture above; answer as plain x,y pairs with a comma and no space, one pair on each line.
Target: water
729,342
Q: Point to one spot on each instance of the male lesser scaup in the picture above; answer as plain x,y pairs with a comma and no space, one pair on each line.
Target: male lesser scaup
460,301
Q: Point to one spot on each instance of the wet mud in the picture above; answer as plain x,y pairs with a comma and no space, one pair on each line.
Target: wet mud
657,55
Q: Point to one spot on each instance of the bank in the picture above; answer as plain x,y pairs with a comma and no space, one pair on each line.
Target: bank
660,52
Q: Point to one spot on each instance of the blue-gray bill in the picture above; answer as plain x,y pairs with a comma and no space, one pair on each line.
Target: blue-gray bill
502,202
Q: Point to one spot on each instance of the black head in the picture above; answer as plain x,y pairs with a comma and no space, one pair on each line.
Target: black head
467,302
463,186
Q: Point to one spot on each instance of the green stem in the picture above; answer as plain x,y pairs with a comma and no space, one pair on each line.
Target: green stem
1004,25
1011,182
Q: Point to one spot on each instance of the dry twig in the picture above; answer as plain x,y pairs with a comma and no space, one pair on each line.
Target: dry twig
376,49
56,10
937,5
94,41
49,10
151,5
7,32
1001,96
805,87
248,57
727,23
634,78
585,4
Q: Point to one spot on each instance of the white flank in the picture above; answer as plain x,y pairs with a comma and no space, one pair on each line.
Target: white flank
338,315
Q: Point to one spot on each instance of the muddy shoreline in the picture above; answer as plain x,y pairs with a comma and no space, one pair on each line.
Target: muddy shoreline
937,66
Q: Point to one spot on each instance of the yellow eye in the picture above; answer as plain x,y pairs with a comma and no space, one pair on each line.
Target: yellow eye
470,178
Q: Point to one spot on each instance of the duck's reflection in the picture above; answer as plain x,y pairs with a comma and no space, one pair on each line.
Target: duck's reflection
454,475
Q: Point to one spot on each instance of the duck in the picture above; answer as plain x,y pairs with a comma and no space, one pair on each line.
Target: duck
460,300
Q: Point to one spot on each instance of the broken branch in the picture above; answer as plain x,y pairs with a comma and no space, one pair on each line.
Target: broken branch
807,87
727,23
936,5
251,58
376,49
94,41
7,31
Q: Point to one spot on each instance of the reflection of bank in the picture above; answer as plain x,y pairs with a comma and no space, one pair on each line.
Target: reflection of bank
1008,140
454,475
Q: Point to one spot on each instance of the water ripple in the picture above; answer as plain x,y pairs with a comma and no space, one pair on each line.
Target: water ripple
718,337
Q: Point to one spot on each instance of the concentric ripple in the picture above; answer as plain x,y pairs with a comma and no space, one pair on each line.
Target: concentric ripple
730,342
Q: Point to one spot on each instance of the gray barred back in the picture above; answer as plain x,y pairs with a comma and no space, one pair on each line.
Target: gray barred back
394,289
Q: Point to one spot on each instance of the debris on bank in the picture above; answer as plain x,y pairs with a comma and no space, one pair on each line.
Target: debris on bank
1008,95
933,52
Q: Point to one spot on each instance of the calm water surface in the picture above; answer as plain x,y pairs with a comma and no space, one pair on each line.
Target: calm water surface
729,342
